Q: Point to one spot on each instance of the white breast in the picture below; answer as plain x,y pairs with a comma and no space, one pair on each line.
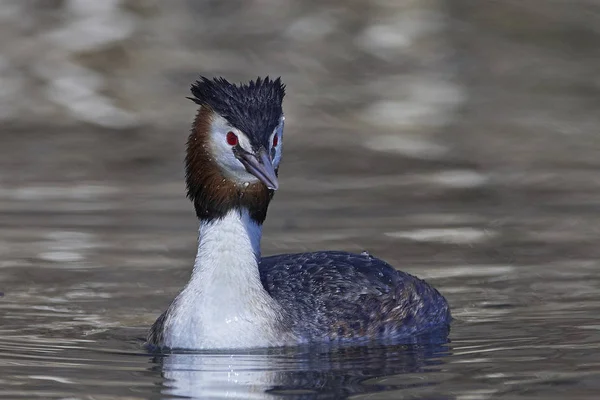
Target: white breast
225,305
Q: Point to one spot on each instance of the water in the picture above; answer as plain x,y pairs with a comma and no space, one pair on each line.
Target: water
87,268
456,141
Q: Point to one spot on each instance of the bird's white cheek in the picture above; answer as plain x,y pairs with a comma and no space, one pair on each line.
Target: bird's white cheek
245,143
230,163
277,157
231,167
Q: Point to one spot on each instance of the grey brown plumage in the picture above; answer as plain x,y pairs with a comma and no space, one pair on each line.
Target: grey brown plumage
333,296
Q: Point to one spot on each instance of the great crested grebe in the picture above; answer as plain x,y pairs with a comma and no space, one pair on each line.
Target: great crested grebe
235,298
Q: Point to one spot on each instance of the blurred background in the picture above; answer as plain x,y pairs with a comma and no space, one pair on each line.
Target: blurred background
457,139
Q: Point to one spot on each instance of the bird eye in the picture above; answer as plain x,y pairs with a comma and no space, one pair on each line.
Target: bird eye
232,138
275,140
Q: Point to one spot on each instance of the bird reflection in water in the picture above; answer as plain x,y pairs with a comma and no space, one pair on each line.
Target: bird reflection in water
305,372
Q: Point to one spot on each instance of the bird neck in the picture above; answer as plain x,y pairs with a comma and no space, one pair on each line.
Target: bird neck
225,305
228,253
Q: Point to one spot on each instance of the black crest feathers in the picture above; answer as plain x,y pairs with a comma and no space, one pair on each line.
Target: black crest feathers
254,108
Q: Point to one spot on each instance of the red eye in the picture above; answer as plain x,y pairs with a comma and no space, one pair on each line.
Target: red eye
275,140
232,139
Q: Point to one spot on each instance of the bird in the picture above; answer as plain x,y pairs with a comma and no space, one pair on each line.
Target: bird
237,299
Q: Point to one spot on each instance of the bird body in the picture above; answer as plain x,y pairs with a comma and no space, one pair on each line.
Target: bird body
235,298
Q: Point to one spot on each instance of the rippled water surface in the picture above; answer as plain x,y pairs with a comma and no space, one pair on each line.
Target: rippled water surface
454,140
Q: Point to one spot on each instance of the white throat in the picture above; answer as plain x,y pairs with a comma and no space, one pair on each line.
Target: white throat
225,305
